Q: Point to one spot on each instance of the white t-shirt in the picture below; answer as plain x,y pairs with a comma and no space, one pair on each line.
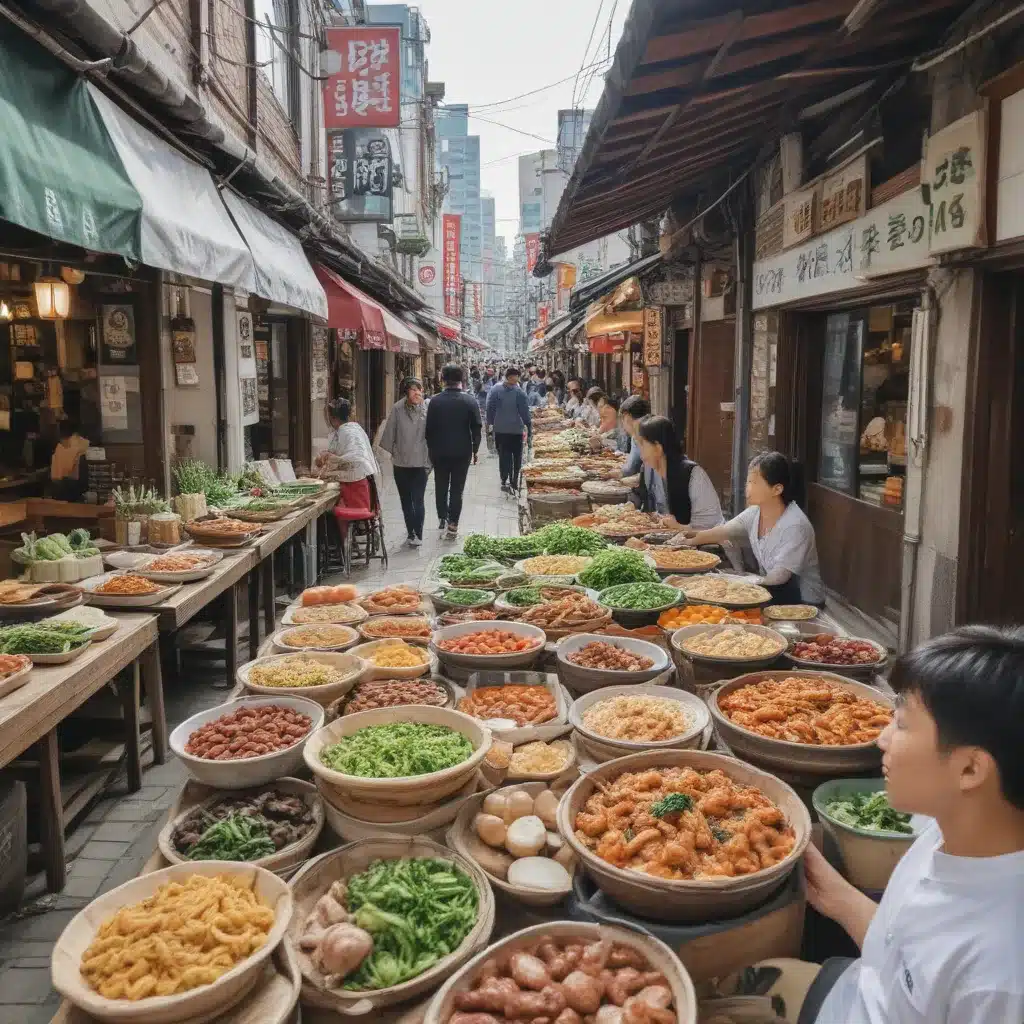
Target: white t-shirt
945,947
789,544
350,443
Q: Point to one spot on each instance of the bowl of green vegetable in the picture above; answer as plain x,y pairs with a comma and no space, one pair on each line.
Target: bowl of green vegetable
407,756
639,604
452,599
870,835
46,643
427,909
614,566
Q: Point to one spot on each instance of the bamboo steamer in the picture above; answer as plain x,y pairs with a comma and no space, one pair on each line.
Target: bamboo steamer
196,1006
802,764
283,860
320,873
685,900
660,957
459,836
415,790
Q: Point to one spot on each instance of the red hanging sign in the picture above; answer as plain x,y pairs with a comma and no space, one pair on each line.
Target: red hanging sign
364,83
532,252
451,228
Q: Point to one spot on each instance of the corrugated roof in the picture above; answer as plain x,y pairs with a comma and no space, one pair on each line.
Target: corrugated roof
694,92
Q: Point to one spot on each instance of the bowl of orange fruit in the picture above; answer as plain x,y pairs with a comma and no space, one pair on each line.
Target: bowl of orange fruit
707,614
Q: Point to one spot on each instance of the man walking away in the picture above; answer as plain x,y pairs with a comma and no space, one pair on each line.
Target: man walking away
508,412
453,437
404,438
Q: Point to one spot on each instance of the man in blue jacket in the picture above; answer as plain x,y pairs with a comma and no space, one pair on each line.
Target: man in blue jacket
508,413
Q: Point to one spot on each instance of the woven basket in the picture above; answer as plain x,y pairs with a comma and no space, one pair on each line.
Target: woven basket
548,508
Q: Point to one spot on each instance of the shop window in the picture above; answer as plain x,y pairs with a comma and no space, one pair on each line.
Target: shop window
864,403
275,31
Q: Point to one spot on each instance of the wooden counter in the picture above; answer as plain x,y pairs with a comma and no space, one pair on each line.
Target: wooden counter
31,714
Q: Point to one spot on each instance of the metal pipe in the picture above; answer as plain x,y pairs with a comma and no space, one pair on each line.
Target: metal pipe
743,351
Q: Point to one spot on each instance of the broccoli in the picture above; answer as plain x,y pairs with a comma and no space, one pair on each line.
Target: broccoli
674,803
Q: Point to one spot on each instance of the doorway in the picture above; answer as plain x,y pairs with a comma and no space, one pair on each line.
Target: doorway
710,413
681,382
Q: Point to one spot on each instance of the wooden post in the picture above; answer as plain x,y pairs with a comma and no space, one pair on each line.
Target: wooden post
51,811
269,596
254,614
132,744
153,688
231,635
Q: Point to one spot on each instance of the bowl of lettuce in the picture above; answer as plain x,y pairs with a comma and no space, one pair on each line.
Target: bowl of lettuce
869,834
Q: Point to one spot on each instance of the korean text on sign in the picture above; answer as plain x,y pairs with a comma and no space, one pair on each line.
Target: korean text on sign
363,86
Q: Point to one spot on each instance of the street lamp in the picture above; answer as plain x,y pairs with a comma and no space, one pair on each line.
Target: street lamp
53,298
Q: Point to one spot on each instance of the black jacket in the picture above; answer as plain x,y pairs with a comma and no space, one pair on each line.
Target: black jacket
453,425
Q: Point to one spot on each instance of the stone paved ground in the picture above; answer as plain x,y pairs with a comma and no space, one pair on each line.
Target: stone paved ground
119,833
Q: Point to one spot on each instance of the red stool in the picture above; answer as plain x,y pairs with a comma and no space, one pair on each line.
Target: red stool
359,505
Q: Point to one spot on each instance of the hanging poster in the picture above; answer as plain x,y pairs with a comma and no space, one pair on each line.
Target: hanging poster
318,365
652,336
245,340
114,403
250,403
118,335
247,368
363,65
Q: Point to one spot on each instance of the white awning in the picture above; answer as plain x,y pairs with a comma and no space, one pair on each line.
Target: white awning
398,329
184,226
283,274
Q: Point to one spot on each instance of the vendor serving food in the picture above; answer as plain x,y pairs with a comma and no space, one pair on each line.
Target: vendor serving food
779,534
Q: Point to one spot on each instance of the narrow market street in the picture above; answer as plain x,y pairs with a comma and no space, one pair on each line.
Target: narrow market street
119,834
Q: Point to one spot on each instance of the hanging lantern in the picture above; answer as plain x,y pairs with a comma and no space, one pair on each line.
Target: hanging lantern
5,312
53,298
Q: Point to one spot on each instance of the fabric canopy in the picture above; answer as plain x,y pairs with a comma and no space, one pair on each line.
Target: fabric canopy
59,173
283,274
365,319
615,323
450,330
196,237
402,334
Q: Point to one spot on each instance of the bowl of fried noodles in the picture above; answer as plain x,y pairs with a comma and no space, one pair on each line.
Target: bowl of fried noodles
684,835
181,944
804,726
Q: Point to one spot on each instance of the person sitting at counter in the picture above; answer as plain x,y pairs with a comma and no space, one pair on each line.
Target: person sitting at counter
588,414
610,434
68,467
777,531
672,484
349,458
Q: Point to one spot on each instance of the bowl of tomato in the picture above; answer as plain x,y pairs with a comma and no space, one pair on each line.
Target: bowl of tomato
488,644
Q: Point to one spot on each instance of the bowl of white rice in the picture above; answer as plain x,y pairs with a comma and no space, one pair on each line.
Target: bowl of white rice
619,720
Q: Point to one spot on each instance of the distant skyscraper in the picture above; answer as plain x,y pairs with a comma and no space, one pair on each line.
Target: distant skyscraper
573,126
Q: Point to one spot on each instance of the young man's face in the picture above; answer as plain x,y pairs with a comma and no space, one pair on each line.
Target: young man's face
921,777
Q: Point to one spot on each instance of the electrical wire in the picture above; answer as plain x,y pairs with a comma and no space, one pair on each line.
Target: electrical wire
518,131
534,92
586,51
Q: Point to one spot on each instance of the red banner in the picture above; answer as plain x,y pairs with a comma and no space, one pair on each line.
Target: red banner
543,316
451,230
532,252
478,301
364,68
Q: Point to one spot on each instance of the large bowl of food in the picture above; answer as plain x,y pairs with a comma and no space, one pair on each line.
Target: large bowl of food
326,636
792,612
870,835
414,629
729,644
574,612
342,614
222,532
728,591
274,826
588,661
693,836
621,720
395,659
397,600
528,861
541,566
125,590
384,920
371,694
479,645
639,604
126,959
683,560
408,755
462,598
709,614
846,655
802,724
556,965
180,566
323,676
246,742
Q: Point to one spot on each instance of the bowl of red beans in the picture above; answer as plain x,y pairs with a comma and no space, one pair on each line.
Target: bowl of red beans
246,742
847,655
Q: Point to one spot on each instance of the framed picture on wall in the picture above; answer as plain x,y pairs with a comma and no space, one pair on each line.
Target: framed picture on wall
118,335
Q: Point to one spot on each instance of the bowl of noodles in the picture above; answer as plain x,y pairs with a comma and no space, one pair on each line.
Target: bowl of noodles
95,962
684,835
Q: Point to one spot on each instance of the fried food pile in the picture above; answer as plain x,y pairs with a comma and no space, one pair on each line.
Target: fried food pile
679,823
806,709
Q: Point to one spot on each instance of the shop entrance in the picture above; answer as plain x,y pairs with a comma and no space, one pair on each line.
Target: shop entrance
710,414
992,500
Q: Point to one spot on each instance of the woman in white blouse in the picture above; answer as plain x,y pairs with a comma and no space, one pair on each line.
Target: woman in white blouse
349,459
779,534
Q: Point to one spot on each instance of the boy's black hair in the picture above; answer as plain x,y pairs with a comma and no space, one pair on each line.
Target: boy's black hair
972,683
636,406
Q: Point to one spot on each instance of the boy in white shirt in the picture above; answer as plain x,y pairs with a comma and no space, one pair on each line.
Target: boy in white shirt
946,943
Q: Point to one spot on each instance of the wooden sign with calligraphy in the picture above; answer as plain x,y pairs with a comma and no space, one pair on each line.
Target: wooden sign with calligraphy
955,176
801,216
652,336
768,236
844,194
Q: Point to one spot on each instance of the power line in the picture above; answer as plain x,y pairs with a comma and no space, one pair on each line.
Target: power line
533,92
509,127
586,51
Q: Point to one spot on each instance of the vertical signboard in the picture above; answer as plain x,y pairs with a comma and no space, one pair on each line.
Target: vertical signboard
478,302
652,336
363,67
451,228
955,175
532,251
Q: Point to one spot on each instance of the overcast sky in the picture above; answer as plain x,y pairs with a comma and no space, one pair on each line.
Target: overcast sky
487,51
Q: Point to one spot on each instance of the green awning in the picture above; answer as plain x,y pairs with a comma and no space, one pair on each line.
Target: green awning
59,173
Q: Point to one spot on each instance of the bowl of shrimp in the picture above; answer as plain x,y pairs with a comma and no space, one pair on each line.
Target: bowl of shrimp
684,835
804,726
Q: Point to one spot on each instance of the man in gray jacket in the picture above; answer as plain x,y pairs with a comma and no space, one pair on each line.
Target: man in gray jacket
404,438
508,413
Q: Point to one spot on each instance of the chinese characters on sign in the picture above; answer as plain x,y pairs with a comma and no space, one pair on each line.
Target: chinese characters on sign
363,68
358,166
955,174
450,270
652,336
532,251
800,223
543,315
888,239
844,194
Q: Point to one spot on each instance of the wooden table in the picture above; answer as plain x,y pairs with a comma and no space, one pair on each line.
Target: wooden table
31,714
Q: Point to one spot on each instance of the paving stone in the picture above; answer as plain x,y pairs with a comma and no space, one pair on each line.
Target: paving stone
25,985
118,832
82,887
126,811
85,868
96,850
33,962
44,927
25,949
